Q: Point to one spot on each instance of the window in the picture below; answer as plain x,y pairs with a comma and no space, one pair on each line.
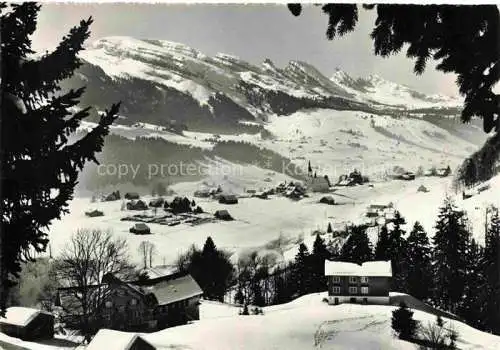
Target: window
353,290
109,304
364,279
364,290
133,302
353,279
336,279
336,290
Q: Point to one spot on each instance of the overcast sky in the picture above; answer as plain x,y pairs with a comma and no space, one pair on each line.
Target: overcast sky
251,32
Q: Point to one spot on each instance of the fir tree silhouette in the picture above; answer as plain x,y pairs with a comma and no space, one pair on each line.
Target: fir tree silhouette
447,34
39,165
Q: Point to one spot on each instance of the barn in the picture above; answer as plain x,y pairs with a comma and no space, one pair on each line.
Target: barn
115,340
27,323
228,199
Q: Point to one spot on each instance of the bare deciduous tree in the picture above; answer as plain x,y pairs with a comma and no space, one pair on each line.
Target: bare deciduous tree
90,255
147,251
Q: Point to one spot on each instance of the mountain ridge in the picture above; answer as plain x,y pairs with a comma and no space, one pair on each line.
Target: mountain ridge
159,81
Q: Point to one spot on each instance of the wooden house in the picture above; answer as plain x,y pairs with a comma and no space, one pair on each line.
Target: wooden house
367,283
27,323
228,199
144,305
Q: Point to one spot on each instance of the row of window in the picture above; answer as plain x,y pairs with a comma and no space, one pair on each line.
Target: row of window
352,290
352,279
177,305
109,303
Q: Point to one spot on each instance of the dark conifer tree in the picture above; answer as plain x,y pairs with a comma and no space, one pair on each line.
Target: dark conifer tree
491,268
402,322
357,248
39,164
302,270
396,252
319,254
419,263
471,308
382,248
212,269
329,229
451,242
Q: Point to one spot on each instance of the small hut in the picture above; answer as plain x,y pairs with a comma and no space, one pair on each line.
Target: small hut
132,195
327,200
94,213
228,199
136,205
223,215
27,323
140,228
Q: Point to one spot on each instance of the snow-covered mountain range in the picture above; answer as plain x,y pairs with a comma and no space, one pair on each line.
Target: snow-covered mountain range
158,81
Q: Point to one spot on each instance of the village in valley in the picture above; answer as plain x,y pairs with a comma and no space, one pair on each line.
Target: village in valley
226,204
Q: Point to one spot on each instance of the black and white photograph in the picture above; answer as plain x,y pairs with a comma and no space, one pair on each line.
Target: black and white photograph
259,176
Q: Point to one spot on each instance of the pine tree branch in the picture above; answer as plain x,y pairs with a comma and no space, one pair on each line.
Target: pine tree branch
43,76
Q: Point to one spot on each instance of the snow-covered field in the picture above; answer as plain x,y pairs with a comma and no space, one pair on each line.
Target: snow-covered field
258,221
306,323
339,141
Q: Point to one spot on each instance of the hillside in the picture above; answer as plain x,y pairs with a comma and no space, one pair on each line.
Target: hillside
336,142
306,323
160,81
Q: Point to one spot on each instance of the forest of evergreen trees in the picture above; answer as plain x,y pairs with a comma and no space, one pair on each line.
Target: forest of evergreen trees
451,271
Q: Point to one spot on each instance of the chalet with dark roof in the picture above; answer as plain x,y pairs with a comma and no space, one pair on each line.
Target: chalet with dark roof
368,283
145,305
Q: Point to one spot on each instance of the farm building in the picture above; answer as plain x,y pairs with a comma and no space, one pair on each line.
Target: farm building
228,199
443,172
136,205
408,176
113,196
223,215
114,340
27,323
327,200
422,188
203,193
352,283
140,229
132,195
261,195
157,202
94,213
143,305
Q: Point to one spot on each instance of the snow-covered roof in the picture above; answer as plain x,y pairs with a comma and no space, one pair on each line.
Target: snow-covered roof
20,316
112,340
171,291
369,268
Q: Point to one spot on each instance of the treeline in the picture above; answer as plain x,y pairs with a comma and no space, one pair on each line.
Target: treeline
143,158
481,166
451,272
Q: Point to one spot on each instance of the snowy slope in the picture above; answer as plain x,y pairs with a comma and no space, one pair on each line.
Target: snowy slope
335,142
306,323
173,75
377,89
